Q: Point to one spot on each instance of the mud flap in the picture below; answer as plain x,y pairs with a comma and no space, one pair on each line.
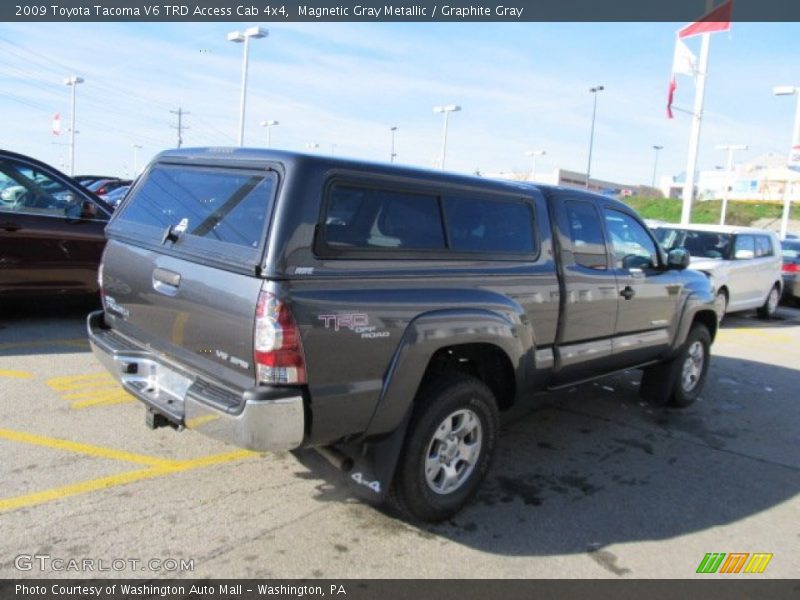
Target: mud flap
374,464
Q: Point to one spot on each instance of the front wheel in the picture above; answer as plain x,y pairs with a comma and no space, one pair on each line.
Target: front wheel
770,307
680,381
448,450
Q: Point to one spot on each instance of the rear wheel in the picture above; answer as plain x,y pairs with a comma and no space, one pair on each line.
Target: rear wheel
448,450
770,307
680,381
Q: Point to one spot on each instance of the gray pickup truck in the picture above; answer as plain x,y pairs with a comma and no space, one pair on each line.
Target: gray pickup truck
383,315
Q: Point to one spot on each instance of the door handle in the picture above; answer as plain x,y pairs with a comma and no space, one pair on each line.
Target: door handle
9,226
627,293
166,282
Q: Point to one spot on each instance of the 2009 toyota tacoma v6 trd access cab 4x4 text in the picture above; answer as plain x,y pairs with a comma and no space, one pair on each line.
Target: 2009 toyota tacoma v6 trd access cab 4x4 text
384,315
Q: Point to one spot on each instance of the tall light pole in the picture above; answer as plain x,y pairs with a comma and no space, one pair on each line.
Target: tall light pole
72,81
136,148
533,154
269,125
333,149
239,37
655,165
392,154
446,110
594,91
730,149
794,155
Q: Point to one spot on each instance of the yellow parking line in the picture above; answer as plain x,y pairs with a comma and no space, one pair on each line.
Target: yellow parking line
120,479
89,450
17,374
119,397
71,382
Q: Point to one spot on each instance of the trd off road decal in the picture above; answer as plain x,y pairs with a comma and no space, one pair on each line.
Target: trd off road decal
355,322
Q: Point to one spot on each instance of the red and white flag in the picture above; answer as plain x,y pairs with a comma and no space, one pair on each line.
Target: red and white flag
718,19
56,124
683,61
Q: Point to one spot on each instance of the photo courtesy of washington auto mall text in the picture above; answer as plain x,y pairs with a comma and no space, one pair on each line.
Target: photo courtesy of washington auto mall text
329,298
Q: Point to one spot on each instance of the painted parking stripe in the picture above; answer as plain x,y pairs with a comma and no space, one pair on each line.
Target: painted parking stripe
87,449
15,374
90,390
103,483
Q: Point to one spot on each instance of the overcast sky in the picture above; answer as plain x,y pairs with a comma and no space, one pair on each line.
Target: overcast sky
521,86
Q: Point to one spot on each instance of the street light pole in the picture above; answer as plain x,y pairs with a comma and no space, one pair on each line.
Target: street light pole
446,110
655,165
392,154
269,125
533,154
794,154
72,81
239,37
730,149
136,148
595,90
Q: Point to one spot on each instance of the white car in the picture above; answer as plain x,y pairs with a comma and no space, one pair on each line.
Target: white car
743,263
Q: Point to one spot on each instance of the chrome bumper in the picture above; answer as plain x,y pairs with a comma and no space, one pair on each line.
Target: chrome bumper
261,419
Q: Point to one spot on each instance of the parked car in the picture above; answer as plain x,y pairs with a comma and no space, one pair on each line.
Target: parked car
382,314
102,187
743,264
790,251
51,230
115,197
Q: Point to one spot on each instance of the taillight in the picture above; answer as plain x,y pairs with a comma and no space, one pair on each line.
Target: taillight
791,267
277,349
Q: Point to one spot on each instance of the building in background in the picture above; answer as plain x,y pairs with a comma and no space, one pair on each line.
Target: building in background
573,179
764,178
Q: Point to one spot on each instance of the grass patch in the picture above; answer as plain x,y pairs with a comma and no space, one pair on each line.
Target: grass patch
708,211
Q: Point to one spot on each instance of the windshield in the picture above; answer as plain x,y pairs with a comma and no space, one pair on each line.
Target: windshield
701,244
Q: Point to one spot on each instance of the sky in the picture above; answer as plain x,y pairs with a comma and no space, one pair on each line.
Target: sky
521,86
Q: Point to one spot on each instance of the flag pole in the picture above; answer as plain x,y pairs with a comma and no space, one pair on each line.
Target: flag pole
694,136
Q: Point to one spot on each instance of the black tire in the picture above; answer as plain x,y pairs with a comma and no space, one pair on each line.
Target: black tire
770,306
411,493
665,383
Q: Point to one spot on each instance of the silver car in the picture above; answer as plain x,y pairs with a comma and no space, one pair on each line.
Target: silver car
743,263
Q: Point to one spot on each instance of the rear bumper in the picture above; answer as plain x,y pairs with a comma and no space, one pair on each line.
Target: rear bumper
262,419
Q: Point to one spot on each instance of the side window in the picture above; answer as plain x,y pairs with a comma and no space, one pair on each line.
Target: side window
586,233
372,218
633,247
489,226
745,247
763,246
28,190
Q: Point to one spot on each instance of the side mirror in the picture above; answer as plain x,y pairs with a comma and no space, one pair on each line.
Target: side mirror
678,258
743,255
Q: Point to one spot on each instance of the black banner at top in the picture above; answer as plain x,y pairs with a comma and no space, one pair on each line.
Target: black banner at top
448,11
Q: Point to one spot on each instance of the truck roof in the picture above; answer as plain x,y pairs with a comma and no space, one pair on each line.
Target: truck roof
288,158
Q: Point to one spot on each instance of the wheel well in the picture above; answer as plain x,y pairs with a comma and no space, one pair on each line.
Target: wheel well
708,318
724,290
486,362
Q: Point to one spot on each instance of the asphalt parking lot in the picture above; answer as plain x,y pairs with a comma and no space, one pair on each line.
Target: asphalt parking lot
592,483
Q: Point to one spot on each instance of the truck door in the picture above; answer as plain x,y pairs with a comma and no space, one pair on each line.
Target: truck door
589,288
649,294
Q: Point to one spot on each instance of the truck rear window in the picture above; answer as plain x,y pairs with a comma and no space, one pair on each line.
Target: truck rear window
224,205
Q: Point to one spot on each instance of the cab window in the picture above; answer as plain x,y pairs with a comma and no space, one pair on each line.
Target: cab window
586,234
633,247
